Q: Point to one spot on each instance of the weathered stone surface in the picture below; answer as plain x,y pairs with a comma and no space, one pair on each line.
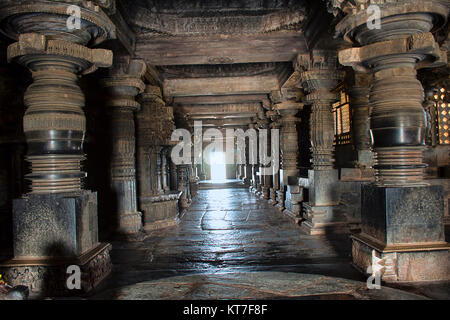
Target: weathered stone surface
47,277
403,215
59,225
254,285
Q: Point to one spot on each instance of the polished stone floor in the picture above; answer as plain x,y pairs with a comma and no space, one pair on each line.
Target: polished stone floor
231,231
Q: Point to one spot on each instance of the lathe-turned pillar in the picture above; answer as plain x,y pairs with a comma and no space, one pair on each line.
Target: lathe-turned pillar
359,101
288,147
123,85
402,216
319,75
57,219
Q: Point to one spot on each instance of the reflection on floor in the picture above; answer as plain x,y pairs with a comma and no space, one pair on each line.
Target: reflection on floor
231,231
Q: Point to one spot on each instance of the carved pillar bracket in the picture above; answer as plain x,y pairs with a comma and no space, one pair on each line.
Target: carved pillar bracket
319,76
123,85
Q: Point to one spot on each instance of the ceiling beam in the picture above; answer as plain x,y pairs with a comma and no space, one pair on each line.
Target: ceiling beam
221,99
221,49
219,109
220,86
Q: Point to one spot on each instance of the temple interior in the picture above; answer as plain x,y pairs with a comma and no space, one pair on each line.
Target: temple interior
211,149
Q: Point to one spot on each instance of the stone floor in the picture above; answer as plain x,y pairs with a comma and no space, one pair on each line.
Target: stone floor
230,231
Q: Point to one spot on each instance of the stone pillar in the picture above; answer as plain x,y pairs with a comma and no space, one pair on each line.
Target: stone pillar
173,174
154,128
320,75
123,85
157,182
247,166
288,147
182,182
57,219
164,170
275,125
402,217
265,180
359,102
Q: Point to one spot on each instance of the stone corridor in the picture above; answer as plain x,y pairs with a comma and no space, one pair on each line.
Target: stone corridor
232,233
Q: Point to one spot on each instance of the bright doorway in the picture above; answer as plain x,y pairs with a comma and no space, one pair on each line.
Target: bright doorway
218,168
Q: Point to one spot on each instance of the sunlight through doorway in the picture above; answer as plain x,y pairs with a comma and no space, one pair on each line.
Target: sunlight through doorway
218,169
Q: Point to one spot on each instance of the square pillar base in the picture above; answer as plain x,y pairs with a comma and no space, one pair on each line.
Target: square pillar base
50,233
273,196
160,211
403,225
320,220
294,197
416,262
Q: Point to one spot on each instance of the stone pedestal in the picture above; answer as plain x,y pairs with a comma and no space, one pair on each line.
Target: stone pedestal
160,211
294,197
52,232
404,227
321,213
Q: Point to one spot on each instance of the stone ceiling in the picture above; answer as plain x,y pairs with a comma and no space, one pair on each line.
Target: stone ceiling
218,61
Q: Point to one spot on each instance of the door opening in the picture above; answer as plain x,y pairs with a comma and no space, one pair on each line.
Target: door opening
218,168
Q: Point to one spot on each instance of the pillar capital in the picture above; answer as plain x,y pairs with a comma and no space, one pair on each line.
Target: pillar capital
124,83
50,18
398,18
393,54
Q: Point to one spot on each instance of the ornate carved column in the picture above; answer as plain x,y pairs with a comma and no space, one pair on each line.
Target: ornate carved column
288,147
154,128
123,85
359,101
401,216
319,75
57,219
